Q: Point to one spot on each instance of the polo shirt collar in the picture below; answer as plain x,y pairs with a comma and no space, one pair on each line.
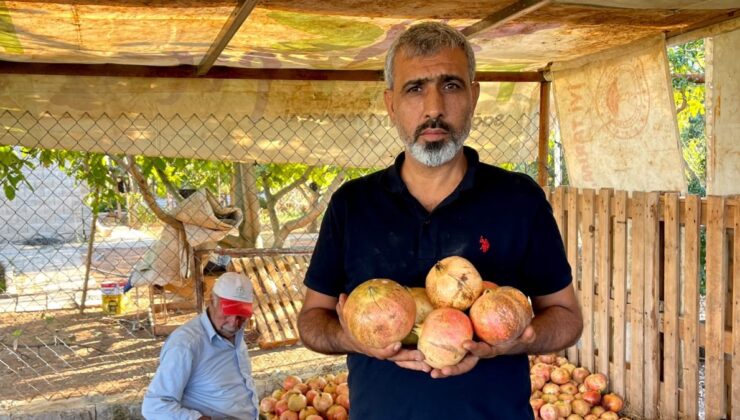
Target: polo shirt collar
394,183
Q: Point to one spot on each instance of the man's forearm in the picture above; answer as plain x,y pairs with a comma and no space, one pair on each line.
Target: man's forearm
321,331
556,328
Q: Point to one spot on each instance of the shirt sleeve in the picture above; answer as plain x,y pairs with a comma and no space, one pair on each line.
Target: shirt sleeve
164,395
326,273
545,269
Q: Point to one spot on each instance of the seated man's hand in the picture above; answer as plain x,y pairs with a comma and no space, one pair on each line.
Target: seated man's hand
405,358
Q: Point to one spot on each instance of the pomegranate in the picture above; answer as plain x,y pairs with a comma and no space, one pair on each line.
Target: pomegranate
536,403
537,382
336,412
317,382
551,388
342,388
598,410
267,405
323,401
559,376
423,307
281,407
442,335
310,395
489,284
541,369
574,417
303,414
596,381
343,400
453,282
423,304
548,358
592,397
290,382
379,312
549,412
612,402
579,374
564,409
302,388
297,402
288,415
569,388
341,377
500,315
314,417
580,407
609,415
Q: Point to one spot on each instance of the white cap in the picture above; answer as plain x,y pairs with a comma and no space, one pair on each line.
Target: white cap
234,286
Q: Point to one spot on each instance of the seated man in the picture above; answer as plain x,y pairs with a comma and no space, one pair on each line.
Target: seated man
204,370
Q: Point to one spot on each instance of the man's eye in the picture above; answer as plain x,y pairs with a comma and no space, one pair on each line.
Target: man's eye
452,86
413,89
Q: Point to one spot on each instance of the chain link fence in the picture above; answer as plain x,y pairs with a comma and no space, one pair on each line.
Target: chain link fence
86,207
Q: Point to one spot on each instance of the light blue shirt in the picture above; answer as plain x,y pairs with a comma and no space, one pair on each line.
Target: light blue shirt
202,374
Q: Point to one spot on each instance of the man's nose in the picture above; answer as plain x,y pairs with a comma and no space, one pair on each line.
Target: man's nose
433,104
235,320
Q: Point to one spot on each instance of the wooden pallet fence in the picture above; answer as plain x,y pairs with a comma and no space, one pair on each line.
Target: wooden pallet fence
277,279
637,268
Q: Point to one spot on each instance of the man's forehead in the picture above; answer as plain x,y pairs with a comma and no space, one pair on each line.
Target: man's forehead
444,64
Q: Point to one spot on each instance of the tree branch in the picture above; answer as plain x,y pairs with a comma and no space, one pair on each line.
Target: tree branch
278,195
146,193
684,102
315,211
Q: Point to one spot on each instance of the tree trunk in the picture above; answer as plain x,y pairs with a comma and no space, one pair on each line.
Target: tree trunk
245,198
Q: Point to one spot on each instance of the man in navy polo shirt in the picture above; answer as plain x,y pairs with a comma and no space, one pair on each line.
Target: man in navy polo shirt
438,200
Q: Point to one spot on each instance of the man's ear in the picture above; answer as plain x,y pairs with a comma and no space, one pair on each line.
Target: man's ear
475,89
388,99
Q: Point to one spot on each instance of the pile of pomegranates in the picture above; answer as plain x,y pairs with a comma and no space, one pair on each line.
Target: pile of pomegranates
560,390
319,398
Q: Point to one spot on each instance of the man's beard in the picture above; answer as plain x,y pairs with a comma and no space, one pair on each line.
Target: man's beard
436,153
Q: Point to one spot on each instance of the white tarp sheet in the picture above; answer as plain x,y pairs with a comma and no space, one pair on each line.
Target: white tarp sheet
723,148
337,123
617,120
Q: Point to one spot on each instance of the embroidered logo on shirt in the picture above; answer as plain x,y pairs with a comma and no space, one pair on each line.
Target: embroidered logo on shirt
484,244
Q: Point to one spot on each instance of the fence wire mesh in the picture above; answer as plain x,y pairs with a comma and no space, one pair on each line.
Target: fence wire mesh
88,203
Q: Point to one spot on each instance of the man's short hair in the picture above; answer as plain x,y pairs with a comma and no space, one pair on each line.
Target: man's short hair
426,39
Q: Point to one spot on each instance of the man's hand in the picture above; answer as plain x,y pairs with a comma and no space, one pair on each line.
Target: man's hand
479,350
405,358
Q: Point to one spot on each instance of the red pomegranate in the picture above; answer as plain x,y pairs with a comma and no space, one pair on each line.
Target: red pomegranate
379,312
453,283
442,334
500,314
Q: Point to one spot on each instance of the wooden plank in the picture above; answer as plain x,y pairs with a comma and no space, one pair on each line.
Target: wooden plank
636,298
651,308
588,230
619,293
735,378
603,286
571,246
672,261
276,296
557,201
716,264
289,323
292,280
690,307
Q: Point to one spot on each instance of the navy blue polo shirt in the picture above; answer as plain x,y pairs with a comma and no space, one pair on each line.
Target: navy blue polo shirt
374,228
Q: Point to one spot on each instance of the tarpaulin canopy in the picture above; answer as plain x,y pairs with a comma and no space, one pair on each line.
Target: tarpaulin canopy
208,78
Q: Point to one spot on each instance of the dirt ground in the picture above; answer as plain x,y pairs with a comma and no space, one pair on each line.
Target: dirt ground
63,354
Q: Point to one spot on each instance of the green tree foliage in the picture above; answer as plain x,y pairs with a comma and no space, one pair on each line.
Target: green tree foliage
687,67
